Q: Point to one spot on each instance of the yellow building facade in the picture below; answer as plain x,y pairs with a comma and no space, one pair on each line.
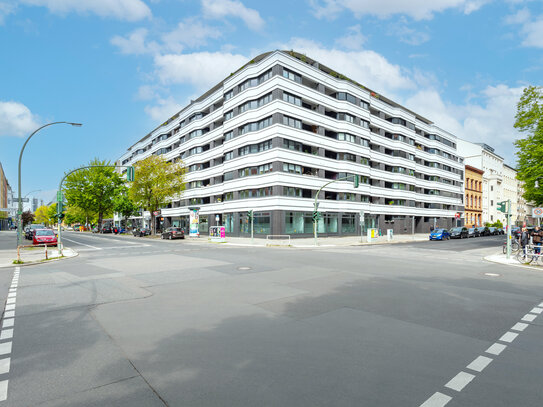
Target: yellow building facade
473,196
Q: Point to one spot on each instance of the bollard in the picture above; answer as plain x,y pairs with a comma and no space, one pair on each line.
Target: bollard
46,253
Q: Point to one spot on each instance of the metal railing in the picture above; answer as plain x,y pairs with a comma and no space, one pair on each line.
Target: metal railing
32,245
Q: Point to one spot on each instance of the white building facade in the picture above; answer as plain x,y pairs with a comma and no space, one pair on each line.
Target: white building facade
272,134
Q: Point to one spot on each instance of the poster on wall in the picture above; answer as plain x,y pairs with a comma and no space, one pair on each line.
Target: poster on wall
194,222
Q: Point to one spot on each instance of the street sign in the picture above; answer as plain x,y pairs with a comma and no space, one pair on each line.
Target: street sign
457,215
537,212
502,206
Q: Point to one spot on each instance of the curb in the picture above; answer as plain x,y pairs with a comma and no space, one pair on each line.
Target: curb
487,258
33,263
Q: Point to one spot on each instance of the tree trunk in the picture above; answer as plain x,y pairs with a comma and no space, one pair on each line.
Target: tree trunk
100,217
152,223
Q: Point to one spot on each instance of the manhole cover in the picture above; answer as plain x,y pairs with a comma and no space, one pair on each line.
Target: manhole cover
244,268
492,274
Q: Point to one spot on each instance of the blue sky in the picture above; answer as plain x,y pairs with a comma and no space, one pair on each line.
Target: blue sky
121,67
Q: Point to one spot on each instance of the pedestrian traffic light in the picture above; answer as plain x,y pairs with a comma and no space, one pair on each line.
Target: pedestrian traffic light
502,206
316,216
356,181
250,215
130,174
61,216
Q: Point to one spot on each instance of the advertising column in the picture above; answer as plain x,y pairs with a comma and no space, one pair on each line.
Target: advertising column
194,222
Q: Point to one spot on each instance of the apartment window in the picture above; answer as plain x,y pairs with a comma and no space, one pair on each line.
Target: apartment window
346,137
249,83
228,136
229,94
346,96
290,121
228,115
244,150
228,196
195,133
196,150
347,196
254,104
291,191
265,168
365,124
364,142
293,76
295,100
292,168
228,156
364,161
255,193
254,126
346,117
364,105
348,157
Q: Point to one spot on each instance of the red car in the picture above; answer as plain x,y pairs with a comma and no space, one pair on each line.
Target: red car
44,236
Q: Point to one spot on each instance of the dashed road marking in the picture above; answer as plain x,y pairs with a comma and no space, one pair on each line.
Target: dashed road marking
82,244
4,365
3,390
479,364
496,349
5,348
519,326
460,381
529,317
8,320
437,400
6,334
8,323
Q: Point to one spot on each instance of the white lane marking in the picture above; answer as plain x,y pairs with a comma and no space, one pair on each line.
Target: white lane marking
536,310
540,305
8,323
12,295
11,301
3,390
496,349
109,239
9,314
4,365
82,244
5,348
460,381
479,363
508,337
10,307
528,317
519,326
437,400
6,334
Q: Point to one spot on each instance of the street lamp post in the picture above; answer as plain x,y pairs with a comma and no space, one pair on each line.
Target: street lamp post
20,201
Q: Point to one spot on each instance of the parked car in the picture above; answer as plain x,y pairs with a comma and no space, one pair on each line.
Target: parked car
106,229
173,233
500,231
492,231
141,232
440,234
44,236
459,233
29,231
473,232
483,230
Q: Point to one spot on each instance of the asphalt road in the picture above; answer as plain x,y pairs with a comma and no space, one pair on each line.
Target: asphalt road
143,322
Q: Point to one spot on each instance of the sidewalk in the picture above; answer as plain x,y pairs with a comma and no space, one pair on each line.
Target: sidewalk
502,259
310,242
34,256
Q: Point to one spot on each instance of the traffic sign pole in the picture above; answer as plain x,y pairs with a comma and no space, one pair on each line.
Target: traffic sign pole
508,229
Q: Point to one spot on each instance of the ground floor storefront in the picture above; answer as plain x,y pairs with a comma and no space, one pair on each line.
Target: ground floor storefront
300,224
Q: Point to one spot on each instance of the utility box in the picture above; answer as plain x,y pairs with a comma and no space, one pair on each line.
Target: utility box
390,234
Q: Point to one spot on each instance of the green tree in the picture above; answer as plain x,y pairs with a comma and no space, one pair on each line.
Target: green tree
94,190
42,215
74,214
156,182
529,120
125,206
27,217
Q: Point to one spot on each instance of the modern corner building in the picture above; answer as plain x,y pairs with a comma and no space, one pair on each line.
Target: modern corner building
269,136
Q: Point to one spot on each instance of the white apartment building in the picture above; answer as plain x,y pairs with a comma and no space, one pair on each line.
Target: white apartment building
482,156
269,136
510,191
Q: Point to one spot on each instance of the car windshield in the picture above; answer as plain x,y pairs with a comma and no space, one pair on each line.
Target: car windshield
177,229
438,231
44,233
472,229
456,229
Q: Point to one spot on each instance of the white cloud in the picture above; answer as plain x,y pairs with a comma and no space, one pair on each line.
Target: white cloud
16,119
130,10
364,66
488,118
531,29
5,10
135,43
417,9
200,69
406,34
354,39
190,32
164,109
232,8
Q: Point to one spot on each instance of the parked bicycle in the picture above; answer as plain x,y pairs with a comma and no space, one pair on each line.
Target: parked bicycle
531,255
515,247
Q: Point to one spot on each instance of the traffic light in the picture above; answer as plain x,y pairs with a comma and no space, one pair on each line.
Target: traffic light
250,215
130,174
61,216
502,206
316,216
356,181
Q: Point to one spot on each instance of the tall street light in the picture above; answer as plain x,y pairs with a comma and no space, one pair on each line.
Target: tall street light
20,206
